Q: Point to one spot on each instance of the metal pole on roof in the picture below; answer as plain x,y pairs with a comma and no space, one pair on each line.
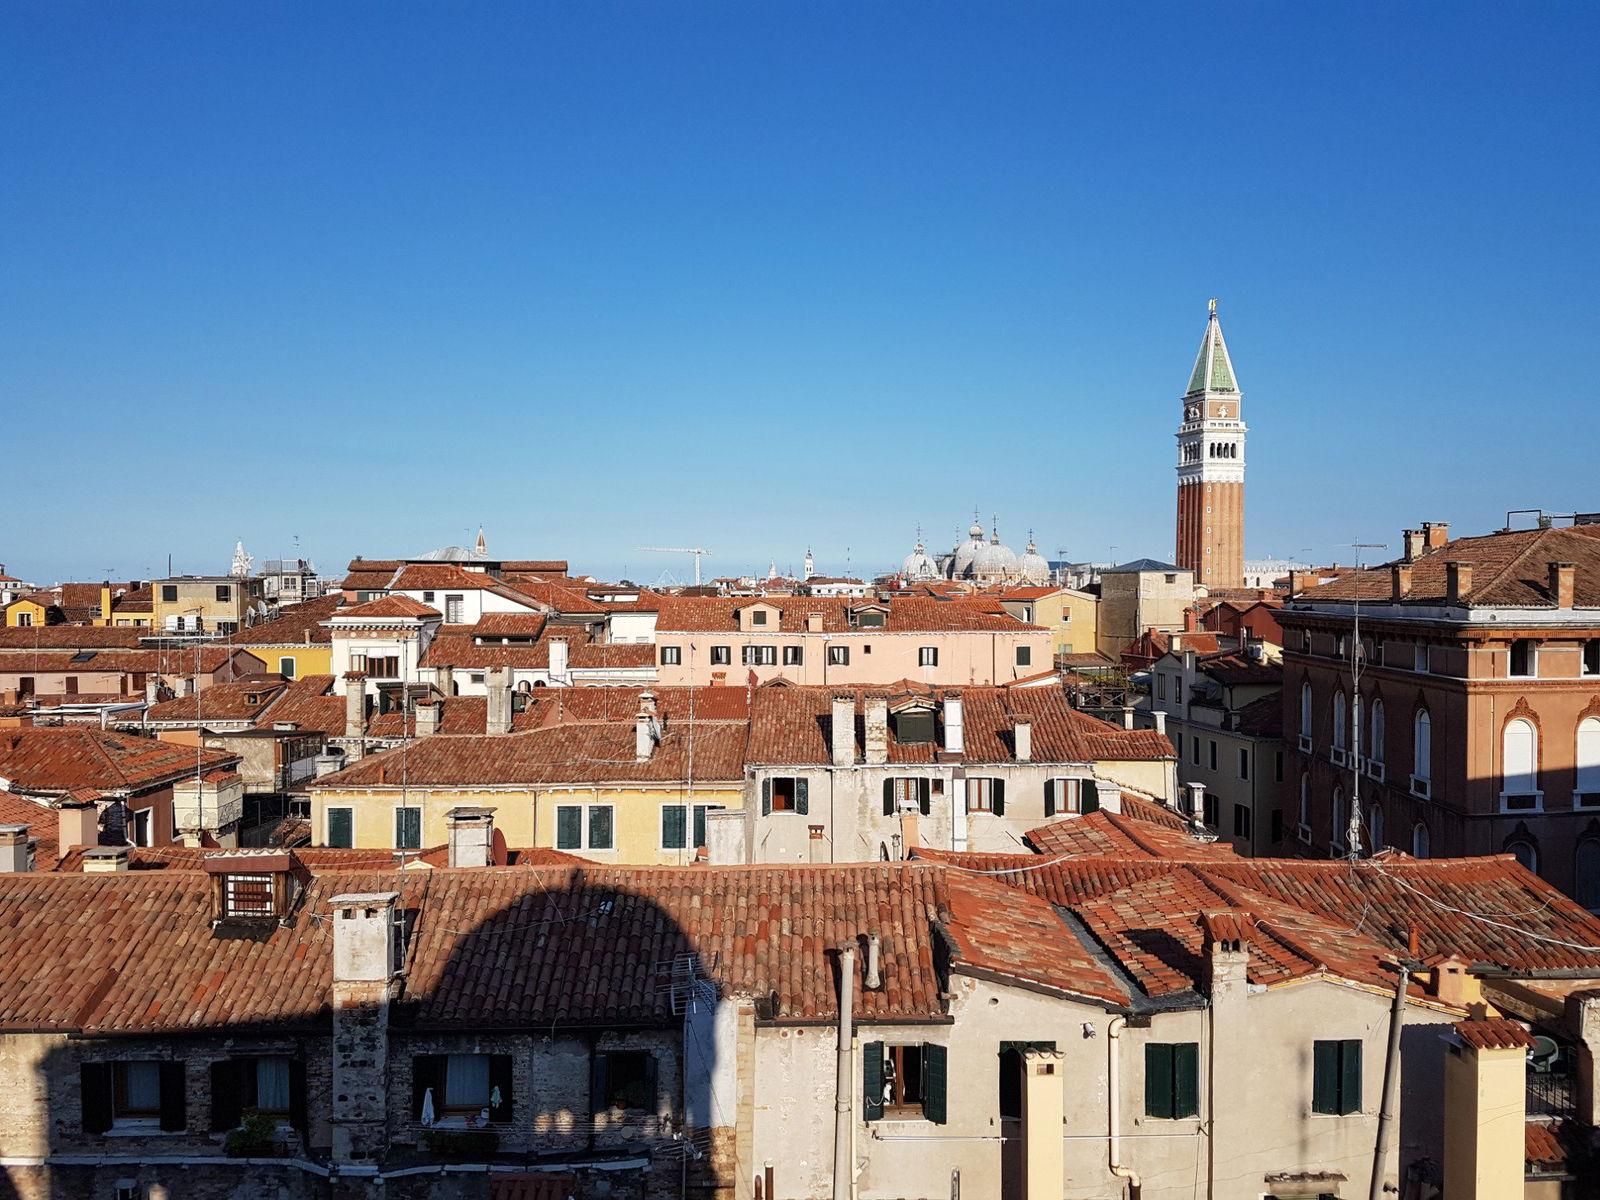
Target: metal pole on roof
844,1085
1391,1079
1353,835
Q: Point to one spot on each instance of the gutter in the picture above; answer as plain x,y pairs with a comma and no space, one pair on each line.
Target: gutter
1114,1105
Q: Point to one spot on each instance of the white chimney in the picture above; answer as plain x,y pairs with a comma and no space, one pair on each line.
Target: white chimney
1196,793
1110,796
16,850
1022,738
842,729
105,860
877,723
954,737
471,833
646,733
559,651
497,719
427,721
874,964
363,937
1160,717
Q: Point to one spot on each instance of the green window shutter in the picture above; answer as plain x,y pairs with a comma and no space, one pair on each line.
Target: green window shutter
1049,797
94,1090
408,828
1089,797
340,834
1350,1076
935,1082
1157,1079
766,797
888,797
872,1081
802,797
924,792
600,827
1325,1077
569,827
997,797
1186,1079
672,827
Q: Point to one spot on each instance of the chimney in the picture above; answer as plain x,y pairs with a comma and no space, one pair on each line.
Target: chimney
355,703
1563,583
1486,1110
1414,544
1299,581
1160,717
1127,716
471,833
954,735
1044,1099
444,678
328,762
877,750
498,716
1188,662
909,839
364,962
725,837
1196,801
16,850
1399,581
1110,795
1022,739
813,622
105,860
1435,533
363,937
1191,620
1227,939
842,729
78,824
1457,582
645,734
817,850
105,602
874,963
560,650
152,690
427,722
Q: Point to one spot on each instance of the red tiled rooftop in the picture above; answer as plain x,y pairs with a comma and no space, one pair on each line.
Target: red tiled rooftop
63,758
1494,1033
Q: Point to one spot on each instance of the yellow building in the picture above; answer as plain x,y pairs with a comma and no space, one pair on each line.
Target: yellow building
629,792
294,643
1071,616
204,603
27,612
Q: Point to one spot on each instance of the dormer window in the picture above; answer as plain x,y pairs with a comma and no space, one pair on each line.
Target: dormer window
872,619
247,896
914,726
250,885
758,616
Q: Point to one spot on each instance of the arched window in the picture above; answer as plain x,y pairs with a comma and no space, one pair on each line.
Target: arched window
1357,729
1419,840
1375,732
1336,842
1305,712
1587,891
1305,807
1422,752
1341,720
1375,829
1519,765
1588,788
1526,854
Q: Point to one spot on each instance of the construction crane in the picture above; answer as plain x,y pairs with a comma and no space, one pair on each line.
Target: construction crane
694,550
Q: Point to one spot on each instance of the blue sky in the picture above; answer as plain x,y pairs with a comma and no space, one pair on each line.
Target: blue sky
753,276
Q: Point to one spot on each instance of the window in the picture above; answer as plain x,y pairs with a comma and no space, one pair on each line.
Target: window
838,656
1305,641
340,826
1070,796
1341,722
625,1080
905,793
1375,734
1523,658
248,896
1525,853
1336,1077
454,610
721,656
1419,840
1305,808
914,727
224,592
569,827
870,620
1172,1080
758,616
169,593
286,666
1244,762
1211,757
408,828
927,656
904,1081
1421,752
1587,790
140,833
758,656
1241,820
1161,686
1305,716
1024,656
1210,810
132,1095
1519,766
138,1089
385,667
671,656
793,656
427,597
986,795
1587,874
1419,658
600,827
1375,829
272,1085
1339,831
674,827
1276,829
1591,657
1194,750
785,793
462,1085
1277,766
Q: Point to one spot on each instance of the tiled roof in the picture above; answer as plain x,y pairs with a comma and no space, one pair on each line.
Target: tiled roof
907,614
71,756
387,606
1232,668
502,624
458,646
1262,717
69,637
295,625
1545,1145
1509,570
417,577
192,858
42,825
1494,1033
177,661
557,597
236,700
1125,835
794,725
310,703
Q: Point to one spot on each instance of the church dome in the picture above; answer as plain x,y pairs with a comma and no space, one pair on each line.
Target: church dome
1032,567
994,561
965,552
918,566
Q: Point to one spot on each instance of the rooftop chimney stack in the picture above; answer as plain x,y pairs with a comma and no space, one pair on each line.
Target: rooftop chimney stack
498,718
444,678
646,733
16,850
560,651
1022,739
1563,583
428,713
954,735
877,749
363,937
874,963
1399,581
1414,543
471,834
1160,718
842,729
78,824
364,963
1436,534
105,860
1457,582
355,703
1195,798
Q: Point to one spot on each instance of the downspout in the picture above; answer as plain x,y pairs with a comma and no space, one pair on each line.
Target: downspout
844,1093
1114,1105
1391,1079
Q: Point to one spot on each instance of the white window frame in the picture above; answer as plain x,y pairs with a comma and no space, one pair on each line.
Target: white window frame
1521,795
1586,790
585,821
1533,659
927,656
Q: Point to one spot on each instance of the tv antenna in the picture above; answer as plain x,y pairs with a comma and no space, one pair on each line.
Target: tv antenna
1357,657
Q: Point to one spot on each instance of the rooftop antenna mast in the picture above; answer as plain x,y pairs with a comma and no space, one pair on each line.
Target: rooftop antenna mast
697,551
1357,662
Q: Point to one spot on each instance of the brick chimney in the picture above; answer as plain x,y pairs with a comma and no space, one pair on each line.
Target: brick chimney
910,839
877,739
429,712
1457,582
471,834
1022,739
355,703
77,824
1563,583
16,849
444,678
955,738
1399,581
1299,581
1414,544
497,719
1435,534
364,963
842,729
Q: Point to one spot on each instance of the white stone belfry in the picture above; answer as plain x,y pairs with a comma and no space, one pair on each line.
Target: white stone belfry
242,562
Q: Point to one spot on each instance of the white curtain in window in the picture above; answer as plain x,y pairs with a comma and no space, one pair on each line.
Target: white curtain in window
1422,747
272,1084
1589,755
1519,762
466,1080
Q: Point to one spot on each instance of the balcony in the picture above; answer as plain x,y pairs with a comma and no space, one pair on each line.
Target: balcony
1553,1092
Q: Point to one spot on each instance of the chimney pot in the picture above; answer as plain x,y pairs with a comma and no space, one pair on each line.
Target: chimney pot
877,749
954,733
1160,718
78,824
1563,584
1436,533
1458,581
1399,581
497,718
471,835
363,937
1414,544
874,966
16,849
427,718
105,860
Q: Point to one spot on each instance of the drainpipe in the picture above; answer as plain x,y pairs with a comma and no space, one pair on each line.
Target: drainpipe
844,1096
1114,1104
1391,1077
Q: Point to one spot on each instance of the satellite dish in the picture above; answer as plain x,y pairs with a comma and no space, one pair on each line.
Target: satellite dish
1543,1053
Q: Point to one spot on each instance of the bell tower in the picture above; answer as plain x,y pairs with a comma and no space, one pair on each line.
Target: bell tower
1211,467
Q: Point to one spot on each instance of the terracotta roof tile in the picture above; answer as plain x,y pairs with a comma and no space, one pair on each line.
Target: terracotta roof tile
386,606
1494,1033
63,758
42,825
295,625
70,637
